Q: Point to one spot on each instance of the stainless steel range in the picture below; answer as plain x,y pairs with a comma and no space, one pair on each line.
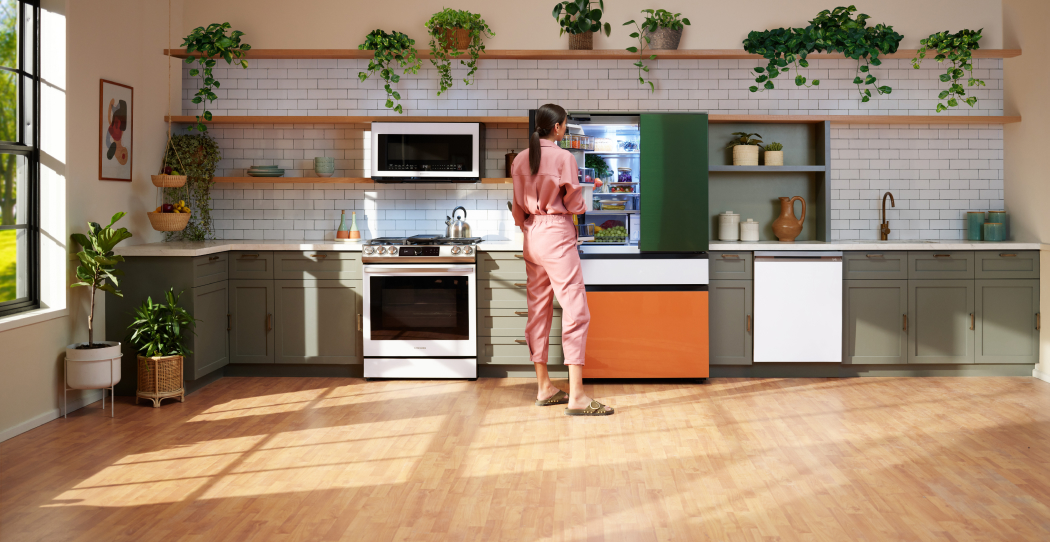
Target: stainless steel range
420,307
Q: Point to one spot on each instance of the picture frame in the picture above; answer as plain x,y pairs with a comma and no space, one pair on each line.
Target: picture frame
116,112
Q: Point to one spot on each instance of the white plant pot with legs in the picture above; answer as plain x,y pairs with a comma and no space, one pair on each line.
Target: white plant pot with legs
93,368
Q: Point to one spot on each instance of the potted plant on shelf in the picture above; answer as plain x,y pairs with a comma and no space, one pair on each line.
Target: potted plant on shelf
660,29
95,365
745,148
774,154
156,334
392,50
451,33
958,49
580,21
212,43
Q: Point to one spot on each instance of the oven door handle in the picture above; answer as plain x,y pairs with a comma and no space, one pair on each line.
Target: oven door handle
417,270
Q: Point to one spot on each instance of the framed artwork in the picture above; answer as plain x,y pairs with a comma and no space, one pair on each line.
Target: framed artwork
115,112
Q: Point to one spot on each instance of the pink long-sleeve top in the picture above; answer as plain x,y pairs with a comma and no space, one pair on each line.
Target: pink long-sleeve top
554,190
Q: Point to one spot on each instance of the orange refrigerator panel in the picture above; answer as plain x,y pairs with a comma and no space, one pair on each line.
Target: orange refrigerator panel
647,335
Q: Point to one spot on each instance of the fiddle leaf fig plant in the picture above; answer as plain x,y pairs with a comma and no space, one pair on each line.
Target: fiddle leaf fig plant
578,17
654,20
443,45
958,50
212,43
392,50
832,31
98,263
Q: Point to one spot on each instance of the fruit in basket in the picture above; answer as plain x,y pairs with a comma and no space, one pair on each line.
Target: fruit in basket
168,208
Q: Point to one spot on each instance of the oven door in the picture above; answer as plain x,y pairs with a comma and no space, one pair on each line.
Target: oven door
424,310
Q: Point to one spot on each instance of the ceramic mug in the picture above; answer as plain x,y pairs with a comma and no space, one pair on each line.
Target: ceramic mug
324,167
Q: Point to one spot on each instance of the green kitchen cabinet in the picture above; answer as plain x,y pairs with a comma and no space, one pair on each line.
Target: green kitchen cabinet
730,324
941,321
876,322
251,321
317,321
210,347
1007,321
673,182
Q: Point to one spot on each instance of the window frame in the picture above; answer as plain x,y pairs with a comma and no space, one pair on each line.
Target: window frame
27,38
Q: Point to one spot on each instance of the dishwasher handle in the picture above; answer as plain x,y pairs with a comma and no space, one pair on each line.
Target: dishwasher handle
784,259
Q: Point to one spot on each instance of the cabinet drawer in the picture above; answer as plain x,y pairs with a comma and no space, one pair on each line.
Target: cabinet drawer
1007,264
510,351
502,266
731,265
251,265
503,294
940,265
511,323
210,269
317,265
875,265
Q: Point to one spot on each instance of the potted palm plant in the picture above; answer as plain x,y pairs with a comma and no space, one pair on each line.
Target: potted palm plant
156,333
95,365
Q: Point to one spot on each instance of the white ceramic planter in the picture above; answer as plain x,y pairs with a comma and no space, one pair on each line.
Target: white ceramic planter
93,368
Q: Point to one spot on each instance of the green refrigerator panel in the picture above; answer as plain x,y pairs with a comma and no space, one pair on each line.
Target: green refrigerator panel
673,182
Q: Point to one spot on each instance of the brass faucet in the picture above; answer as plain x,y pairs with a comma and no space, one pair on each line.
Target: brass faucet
884,230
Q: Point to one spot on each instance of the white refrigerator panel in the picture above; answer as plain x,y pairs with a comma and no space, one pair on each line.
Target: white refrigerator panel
798,310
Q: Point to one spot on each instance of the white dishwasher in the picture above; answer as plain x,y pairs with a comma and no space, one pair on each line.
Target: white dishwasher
798,306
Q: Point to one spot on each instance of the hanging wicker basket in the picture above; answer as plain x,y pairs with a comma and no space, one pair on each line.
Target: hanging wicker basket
160,378
168,221
168,181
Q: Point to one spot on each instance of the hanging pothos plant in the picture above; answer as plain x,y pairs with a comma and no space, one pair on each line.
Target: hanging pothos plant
442,28
209,44
392,50
654,21
200,154
958,49
832,31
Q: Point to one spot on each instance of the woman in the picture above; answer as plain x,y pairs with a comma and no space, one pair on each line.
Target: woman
546,195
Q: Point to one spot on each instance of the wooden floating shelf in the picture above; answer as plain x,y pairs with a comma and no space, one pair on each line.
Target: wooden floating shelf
332,180
767,169
563,54
261,119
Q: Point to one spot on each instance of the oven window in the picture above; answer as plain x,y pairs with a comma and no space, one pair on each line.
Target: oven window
426,152
419,308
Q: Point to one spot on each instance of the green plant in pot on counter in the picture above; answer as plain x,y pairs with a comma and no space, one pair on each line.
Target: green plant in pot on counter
661,26
452,31
580,20
745,148
200,155
392,50
156,333
958,50
209,44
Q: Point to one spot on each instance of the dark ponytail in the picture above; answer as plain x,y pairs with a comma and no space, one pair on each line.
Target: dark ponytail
546,117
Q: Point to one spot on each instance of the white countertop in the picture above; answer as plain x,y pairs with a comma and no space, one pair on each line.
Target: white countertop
727,246
202,248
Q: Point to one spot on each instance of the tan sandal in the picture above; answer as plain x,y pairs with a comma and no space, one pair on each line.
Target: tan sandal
559,398
593,409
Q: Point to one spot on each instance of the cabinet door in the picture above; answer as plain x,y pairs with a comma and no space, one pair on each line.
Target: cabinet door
1006,321
251,321
210,343
730,322
875,318
940,321
316,321
674,182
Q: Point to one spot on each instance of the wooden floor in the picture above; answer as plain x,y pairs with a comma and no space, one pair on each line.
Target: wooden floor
343,459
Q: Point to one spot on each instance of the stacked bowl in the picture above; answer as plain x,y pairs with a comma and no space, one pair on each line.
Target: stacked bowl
265,171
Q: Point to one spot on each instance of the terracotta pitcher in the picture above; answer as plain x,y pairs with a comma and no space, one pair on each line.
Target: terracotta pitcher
787,227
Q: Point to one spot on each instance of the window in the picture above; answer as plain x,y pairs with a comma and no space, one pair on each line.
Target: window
19,156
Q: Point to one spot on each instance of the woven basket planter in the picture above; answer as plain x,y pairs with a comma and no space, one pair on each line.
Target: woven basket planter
664,38
168,221
455,39
581,42
745,155
168,181
774,158
160,378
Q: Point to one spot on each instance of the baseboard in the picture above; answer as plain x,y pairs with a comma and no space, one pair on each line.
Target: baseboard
36,421
1041,375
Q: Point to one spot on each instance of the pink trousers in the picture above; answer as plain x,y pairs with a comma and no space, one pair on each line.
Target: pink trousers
553,266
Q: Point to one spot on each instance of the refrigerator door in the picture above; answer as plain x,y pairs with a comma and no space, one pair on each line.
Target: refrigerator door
674,214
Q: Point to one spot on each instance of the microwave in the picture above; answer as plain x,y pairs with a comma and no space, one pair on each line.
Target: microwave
427,151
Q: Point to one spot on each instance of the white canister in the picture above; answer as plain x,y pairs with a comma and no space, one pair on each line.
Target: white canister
749,230
729,226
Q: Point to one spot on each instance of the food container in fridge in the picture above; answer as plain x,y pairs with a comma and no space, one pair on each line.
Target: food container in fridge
624,175
613,205
623,188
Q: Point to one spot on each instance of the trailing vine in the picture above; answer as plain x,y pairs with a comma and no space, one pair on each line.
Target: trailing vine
212,43
391,49
200,154
654,20
441,27
832,31
958,49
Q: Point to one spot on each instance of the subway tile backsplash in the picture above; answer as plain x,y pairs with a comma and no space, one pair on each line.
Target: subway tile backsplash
936,172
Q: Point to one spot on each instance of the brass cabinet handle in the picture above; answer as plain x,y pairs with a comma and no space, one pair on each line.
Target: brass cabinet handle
229,322
319,255
521,341
244,256
519,256
875,255
730,256
359,328
1037,321
213,258
521,313
1008,255
268,326
521,285
972,321
905,322
942,255
749,323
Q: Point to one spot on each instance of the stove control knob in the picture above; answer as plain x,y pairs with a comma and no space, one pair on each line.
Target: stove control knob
391,250
468,250
455,250
369,250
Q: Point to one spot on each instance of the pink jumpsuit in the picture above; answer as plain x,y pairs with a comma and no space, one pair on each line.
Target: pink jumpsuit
543,207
